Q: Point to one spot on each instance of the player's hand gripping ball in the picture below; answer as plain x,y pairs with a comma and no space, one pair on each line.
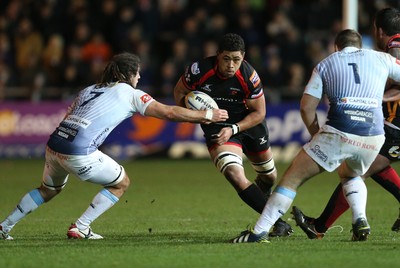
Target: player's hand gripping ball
197,100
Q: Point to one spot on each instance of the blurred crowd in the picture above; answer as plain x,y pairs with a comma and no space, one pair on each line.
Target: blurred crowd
50,49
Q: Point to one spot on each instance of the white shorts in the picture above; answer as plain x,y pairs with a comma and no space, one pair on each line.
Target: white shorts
330,147
96,167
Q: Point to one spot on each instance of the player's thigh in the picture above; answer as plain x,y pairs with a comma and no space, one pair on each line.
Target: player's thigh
302,168
361,158
55,176
329,147
97,168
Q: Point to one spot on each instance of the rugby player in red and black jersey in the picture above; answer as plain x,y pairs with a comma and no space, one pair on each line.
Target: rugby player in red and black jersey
387,37
236,87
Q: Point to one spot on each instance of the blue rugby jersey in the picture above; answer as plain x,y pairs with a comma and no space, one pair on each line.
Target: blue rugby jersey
354,82
94,114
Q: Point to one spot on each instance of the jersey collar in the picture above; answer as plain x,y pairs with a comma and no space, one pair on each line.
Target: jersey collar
394,41
349,49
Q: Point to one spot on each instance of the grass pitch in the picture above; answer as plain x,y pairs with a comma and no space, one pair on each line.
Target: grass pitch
180,213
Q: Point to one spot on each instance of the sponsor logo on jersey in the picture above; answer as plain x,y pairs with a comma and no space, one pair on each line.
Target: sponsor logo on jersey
77,120
358,115
145,98
262,140
398,61
195,68
360,144
369,102
66,132
394,152
255,79
233,91
206,87
84,170
318,153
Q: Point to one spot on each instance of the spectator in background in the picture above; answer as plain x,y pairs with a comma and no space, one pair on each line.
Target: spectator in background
6,53
96,53
53,56
76,72
190,38
82,34
148,61
105,19
168,79
124,24
123,27
209,48
273,74
294,85
5,78
28,52
217,26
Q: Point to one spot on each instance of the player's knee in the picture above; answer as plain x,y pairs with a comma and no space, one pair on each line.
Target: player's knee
265,168
125,183
225,159
48,193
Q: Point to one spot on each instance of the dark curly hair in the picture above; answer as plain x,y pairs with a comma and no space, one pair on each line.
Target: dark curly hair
120,69
231,42
388,19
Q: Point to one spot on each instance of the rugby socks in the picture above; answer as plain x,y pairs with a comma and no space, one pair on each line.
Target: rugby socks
355,192
28,203
389,179
277,205
253,197
100,204
336,206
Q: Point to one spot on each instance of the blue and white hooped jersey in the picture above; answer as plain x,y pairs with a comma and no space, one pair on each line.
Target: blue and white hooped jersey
94,114
354,82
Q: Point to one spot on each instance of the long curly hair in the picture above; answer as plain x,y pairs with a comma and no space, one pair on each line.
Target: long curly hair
120,69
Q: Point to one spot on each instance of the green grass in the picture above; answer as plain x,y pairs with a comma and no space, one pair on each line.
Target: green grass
180,214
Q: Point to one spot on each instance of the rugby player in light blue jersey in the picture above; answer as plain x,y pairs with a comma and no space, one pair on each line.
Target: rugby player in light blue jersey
353,80
73,146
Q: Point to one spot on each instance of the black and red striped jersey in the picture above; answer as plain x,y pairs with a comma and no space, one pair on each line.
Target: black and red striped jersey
229,93
391,110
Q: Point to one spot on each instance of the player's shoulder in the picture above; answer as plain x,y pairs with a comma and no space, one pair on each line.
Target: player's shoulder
201,66
246,67
250,74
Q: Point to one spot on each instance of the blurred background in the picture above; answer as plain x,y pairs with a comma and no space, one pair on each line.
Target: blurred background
51,49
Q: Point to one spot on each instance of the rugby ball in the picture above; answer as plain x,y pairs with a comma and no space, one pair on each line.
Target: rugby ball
197,100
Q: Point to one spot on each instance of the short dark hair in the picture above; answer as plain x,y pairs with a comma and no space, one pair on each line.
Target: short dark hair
120,68
231,42
348,38
388,19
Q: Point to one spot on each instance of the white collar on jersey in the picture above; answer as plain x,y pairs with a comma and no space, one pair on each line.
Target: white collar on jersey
349,49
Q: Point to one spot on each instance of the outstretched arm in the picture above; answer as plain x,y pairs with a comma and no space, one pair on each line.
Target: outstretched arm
176,113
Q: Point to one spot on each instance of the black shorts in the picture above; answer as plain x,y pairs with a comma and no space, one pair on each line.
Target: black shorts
391,147
252,141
